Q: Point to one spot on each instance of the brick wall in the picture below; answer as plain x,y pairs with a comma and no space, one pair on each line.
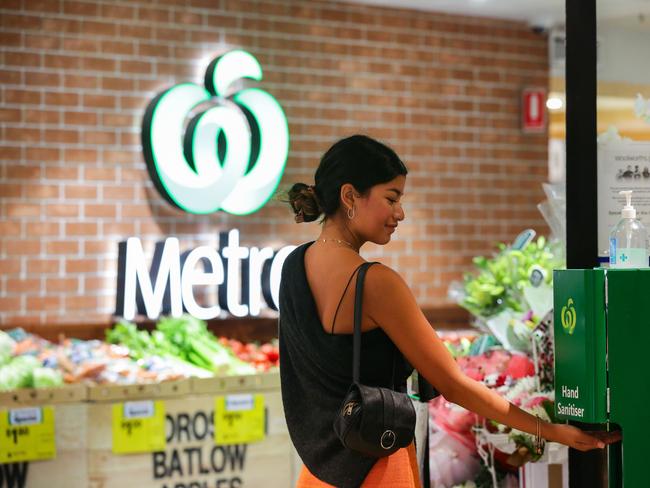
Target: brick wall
76,76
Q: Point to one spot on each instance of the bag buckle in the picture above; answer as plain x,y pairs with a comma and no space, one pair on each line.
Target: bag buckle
347,410
388,439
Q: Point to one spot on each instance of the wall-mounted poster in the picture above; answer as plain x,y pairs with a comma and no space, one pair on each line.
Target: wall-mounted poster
623,164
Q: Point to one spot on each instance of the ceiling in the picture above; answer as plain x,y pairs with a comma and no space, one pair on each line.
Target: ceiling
543,13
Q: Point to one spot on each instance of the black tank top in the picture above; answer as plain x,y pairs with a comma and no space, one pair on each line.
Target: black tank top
316,372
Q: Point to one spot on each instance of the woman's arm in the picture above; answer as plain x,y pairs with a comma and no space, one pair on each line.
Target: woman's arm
389,303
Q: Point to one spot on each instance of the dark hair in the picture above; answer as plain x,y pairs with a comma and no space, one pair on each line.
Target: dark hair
359,160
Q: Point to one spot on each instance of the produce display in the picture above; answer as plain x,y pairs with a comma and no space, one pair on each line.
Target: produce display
178,348
510,297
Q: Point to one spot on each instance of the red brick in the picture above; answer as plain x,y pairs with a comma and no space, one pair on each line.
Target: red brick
80,266
10,77
22,247
10,115
140,67
104,174
10,265
97,137
81,302
140,31
83,9
9,304
103,211
81,81
61,285
136,211
81,155
12,58
121,192
62,210
92,28
42,266
15,285
117,11
23,210
61,98
118,84
84,192
61,136
41,190
100,101
62,247
60,61
80,229
42,42
42,229
22,97
98,64
35,116
51,303
61,173
99,247
10,39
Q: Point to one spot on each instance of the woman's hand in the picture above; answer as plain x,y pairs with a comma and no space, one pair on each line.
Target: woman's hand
580,439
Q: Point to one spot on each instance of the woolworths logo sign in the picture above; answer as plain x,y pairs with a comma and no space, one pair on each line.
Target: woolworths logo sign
568,317
217,147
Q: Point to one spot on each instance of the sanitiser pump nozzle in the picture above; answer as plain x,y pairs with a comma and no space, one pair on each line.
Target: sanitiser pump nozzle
628,212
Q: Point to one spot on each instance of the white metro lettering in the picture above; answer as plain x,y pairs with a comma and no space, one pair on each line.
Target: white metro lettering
240,276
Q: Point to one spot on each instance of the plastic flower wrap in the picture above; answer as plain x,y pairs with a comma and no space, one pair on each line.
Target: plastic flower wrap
512,291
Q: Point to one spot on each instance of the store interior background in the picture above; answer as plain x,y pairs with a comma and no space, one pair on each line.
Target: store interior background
442,87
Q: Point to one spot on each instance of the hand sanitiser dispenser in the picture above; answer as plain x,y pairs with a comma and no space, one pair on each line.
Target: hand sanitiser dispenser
628,240
601,332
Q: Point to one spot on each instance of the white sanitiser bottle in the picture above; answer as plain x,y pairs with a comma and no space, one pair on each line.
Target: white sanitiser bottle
628,240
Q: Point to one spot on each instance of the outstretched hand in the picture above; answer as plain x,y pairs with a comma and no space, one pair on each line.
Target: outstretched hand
585,440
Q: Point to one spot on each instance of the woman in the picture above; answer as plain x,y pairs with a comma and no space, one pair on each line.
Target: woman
358,190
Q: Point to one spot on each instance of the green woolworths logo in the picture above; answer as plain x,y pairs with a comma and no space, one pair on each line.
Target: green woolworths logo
215,147
568,316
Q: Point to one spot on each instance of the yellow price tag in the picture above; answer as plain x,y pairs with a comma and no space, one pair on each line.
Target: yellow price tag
27,434
139,427
239,419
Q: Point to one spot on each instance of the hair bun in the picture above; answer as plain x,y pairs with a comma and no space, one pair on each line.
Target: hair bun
304,202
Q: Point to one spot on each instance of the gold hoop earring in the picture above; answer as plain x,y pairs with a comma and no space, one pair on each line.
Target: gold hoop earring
351,212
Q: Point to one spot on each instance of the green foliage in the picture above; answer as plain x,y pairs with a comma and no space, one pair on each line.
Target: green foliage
500,281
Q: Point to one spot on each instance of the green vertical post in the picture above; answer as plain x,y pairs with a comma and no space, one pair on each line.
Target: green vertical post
580,345
628,323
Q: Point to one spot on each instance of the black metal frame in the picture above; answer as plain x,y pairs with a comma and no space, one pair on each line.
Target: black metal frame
585,469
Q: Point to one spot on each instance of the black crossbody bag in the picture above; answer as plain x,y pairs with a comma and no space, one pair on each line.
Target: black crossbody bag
372,421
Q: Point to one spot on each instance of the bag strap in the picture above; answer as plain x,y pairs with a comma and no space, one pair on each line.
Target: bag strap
358,306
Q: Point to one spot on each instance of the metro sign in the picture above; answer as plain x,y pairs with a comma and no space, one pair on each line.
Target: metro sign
242,277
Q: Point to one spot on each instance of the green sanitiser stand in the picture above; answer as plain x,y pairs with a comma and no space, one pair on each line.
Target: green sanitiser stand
602,333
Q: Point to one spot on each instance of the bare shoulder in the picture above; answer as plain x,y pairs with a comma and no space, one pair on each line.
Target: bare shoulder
382,278
388,295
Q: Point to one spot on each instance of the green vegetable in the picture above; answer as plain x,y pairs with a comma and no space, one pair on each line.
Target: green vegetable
184,338
7,345
18,373
47,378
199,346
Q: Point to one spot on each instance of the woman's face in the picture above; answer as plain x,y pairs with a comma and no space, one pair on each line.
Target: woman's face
380,210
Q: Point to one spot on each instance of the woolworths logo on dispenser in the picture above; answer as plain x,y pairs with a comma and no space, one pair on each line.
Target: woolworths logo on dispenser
215,147
568,317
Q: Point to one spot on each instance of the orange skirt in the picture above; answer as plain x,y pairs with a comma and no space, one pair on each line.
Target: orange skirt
399,470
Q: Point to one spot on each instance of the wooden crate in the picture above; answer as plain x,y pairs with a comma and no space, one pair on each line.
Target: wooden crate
191,459
69,468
